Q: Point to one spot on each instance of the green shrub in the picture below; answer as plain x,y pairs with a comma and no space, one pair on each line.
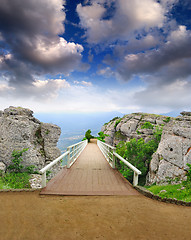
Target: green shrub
102,136
147,125
139,154
166,120
117,122
31,169
187,183
118,135
17,159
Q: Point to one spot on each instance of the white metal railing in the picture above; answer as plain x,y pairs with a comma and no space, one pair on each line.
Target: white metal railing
110,154
72,154
107,151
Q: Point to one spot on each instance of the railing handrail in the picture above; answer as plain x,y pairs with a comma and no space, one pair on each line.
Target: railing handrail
107,145
110,154
76,144
47,167
71,159
127,163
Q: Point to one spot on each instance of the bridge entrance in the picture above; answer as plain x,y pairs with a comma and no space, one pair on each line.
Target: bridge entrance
91,174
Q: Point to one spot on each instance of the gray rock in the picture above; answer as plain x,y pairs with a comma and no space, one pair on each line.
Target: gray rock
19,130
184,113
2,167
129,127
174,150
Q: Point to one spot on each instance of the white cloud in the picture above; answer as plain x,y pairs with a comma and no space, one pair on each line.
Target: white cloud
129,16
83,83
29,30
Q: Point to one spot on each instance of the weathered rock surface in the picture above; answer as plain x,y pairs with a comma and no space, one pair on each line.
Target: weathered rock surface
130,126
173,153
19,130
174,150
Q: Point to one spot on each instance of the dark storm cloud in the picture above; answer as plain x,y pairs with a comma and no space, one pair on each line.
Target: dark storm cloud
29,36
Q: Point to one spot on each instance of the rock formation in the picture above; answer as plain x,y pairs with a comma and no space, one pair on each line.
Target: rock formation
173,153
19,130
174,150
130,126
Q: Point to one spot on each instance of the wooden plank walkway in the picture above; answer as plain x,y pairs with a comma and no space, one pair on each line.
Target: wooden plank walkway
91,174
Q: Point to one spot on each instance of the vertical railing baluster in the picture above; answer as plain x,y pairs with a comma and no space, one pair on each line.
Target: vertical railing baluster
68,160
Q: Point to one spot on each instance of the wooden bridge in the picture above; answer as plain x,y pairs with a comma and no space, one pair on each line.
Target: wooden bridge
91,173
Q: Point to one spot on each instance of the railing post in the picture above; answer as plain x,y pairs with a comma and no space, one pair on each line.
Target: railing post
135,179
113,160
72,154
44,179
68,161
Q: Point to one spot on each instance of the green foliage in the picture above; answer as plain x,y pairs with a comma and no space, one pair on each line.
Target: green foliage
187,183
48,172
179,191
114,119
138,153
117,122
88,135
31,169
17,159
16,180
166,120
138,132
102,136
119,135
147,125
172,191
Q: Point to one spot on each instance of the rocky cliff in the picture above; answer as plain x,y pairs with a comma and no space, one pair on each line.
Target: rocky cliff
19,130
174,150
130,126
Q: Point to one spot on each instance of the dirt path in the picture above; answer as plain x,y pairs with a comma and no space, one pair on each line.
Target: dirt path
25,216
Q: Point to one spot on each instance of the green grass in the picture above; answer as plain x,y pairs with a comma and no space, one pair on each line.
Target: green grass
2,185
15,181
173,191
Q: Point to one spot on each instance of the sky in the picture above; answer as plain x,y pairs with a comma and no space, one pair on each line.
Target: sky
95,55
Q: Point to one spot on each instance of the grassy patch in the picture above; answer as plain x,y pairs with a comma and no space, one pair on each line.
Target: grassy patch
15,180
2,185
172,191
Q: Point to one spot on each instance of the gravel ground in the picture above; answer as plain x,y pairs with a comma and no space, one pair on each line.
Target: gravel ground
28,215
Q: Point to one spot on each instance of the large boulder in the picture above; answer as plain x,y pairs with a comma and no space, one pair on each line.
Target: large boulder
19,130
131,126
173,153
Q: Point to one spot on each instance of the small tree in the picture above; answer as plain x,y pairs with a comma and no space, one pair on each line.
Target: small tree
88,135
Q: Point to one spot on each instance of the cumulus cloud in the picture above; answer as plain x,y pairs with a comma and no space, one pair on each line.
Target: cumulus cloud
29,34
129,16
174,50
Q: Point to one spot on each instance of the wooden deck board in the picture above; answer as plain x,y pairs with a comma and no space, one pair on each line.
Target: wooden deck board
90,175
